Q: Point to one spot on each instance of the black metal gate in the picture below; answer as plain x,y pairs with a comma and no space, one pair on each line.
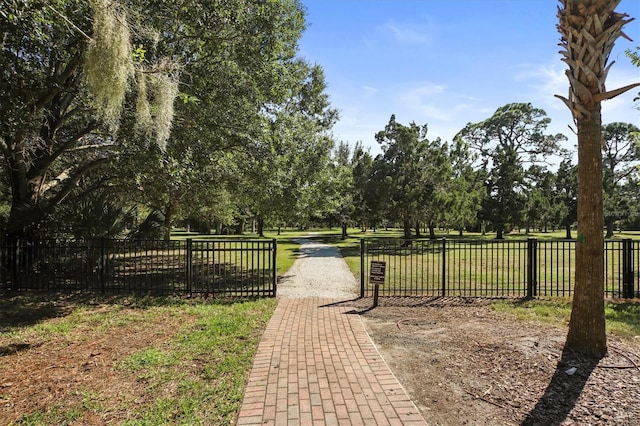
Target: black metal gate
233,267
230,267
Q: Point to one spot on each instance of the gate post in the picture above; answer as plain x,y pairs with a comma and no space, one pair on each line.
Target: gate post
189,263
444,267
275,266
532,268
628,292
361,267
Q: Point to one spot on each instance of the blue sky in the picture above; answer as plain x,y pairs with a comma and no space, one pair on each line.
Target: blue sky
449,62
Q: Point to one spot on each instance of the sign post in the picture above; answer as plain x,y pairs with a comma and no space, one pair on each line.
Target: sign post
376,277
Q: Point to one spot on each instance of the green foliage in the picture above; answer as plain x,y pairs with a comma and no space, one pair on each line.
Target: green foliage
464,192
513,135
635,60
73,66
249,140
413,172
96,215
566,195
620,159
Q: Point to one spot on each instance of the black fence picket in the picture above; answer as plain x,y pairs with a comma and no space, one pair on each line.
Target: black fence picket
238,267
493,268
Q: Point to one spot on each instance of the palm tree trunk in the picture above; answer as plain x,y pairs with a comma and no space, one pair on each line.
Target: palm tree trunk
589,29
587,324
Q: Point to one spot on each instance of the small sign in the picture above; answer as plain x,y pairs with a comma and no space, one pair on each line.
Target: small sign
376,274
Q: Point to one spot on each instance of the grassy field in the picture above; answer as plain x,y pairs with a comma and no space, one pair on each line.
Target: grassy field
287,248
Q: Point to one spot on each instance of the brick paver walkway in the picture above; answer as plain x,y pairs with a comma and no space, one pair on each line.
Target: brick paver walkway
316,365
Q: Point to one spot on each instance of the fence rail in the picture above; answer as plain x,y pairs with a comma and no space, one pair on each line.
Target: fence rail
238,267
493,268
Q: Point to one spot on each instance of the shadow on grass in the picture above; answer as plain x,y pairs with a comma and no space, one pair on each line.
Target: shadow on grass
19,310
563,391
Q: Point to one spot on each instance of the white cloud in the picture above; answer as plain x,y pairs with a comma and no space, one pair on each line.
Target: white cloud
369,91
541,82
463,107
407,32
422,99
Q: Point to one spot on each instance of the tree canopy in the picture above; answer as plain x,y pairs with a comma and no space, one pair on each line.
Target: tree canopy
512,136
129,118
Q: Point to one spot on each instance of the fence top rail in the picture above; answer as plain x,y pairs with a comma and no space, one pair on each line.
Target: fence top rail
229,240
457,240
481,240
137,241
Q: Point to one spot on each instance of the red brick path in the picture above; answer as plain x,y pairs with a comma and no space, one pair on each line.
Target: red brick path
316,365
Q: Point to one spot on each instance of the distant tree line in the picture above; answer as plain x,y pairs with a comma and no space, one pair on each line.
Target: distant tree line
499,175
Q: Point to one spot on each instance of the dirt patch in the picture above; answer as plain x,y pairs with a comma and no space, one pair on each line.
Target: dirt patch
465,364
39,374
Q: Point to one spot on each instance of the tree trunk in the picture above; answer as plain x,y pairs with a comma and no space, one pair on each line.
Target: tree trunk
499,233
407,228
418,235
168,219
568,231
240,226
260,227
432,231
587,324
344,231
610,228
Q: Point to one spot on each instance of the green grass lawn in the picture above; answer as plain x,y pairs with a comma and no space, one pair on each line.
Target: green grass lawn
623,318
287,248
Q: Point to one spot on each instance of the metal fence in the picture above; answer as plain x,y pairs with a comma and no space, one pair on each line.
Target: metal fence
492,268
237,267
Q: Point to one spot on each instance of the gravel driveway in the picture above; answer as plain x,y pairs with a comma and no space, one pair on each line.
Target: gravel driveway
319,271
